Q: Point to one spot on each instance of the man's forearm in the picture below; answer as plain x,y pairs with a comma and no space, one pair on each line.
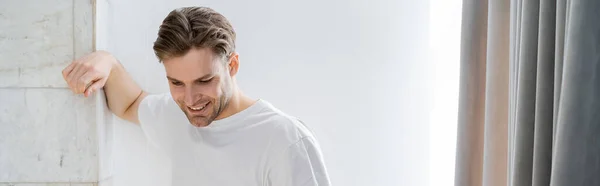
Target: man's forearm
122,93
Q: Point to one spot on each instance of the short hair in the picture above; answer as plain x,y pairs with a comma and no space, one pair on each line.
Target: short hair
194,27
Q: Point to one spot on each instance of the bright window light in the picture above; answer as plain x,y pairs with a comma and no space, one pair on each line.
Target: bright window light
444,41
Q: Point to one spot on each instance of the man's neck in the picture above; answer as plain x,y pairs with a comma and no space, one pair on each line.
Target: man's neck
237,103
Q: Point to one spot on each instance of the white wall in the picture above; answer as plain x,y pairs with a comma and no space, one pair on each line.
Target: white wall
47,134
126,157
357,72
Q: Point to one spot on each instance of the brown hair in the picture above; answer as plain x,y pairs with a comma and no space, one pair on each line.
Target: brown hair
194,27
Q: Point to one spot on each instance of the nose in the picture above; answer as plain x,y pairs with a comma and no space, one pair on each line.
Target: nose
189,97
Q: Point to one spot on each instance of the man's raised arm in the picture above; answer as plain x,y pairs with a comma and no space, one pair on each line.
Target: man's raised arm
102,70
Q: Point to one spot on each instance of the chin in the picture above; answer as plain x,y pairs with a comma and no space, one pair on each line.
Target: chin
199,122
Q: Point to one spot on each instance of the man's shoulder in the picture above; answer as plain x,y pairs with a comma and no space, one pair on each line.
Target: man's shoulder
156,107
282,126
157,101
160,98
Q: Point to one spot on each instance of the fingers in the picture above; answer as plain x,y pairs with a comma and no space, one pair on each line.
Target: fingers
74,77
72,72
86,74
95,86
85,81
68,70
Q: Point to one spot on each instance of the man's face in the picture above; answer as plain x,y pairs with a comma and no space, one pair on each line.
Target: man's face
200,83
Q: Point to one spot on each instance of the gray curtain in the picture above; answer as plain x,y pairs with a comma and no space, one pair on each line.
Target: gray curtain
529,105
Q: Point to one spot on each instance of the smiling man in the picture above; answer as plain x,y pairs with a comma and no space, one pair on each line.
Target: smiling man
213,133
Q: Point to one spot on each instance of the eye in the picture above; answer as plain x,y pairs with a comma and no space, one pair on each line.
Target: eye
176,83
205,81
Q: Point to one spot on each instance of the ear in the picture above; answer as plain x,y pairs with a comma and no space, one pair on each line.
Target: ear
234,64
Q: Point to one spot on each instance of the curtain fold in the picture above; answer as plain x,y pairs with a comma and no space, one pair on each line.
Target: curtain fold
525,113
529,104
495,159
469,146
577,150
561,8
544,94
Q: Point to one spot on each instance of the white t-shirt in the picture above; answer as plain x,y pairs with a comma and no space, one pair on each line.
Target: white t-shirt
259,146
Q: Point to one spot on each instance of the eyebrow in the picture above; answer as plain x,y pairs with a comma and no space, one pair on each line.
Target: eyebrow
198,79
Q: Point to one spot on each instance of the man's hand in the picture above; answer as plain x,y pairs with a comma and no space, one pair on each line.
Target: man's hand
102,70
89,73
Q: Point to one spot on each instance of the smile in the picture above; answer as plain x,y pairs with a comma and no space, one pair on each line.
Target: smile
198,108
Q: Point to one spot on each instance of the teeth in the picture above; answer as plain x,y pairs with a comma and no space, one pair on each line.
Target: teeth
198,108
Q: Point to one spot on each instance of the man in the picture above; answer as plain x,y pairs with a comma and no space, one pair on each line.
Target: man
213,133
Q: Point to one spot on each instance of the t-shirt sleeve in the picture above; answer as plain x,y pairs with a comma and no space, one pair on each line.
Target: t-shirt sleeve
301,164
151,113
